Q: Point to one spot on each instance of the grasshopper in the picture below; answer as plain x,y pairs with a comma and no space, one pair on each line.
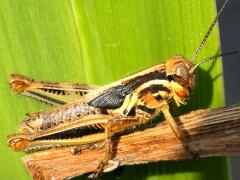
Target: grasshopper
86,114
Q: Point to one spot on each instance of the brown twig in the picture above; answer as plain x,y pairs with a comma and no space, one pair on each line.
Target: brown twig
212,132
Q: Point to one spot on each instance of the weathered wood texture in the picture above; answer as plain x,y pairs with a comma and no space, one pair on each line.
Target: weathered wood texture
212,132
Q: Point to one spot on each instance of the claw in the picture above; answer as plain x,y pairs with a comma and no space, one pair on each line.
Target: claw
111,165
195,155
76,150
114,165
99,170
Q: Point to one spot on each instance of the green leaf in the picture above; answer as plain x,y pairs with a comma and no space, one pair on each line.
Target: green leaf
99,42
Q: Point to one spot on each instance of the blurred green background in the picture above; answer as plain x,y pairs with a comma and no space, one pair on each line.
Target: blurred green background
100,42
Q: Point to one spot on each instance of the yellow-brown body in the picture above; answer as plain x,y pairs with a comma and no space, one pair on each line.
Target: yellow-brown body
139,97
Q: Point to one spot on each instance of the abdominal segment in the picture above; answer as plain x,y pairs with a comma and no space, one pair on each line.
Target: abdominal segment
56,117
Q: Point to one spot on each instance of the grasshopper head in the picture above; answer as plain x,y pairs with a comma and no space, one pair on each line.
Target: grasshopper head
178,69
181,75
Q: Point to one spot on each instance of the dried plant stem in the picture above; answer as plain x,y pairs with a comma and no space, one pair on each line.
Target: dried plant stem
211,132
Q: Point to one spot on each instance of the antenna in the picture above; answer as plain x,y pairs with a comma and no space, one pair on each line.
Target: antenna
212,58
208,32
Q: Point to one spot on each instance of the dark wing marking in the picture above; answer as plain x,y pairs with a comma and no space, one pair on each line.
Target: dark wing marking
112,98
